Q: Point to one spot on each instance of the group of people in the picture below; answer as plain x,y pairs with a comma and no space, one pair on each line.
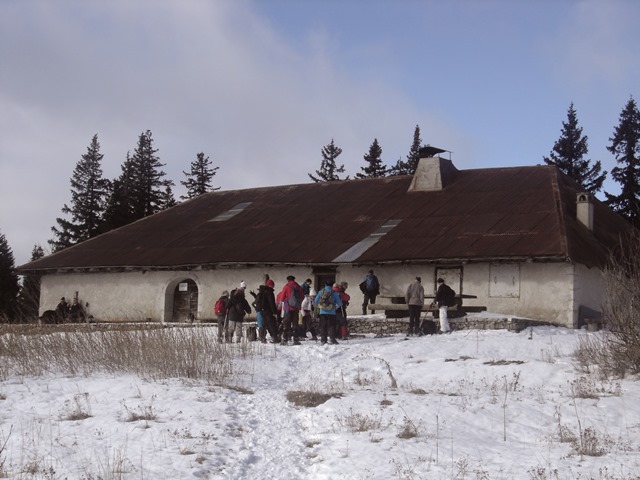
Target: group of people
414,298
287,316
69,312
298,308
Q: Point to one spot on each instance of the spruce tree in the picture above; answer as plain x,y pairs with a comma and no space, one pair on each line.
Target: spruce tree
329,170
141,188
8,282
568,155
625,146
198,181
118,211
148,189
29,296
409,167
375,167
88,201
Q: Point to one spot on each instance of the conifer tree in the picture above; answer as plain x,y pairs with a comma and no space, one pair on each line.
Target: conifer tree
409,167
29,296
568,155
148,188
119,212
8,282
625,146
199,179
375,167
88,201
329,170
141,189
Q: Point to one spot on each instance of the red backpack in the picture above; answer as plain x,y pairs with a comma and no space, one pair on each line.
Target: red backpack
220,308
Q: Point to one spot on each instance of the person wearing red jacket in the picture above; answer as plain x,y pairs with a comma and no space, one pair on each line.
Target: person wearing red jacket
341,312
291,297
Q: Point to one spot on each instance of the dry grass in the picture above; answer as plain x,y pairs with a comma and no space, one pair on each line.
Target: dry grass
151,353
309,399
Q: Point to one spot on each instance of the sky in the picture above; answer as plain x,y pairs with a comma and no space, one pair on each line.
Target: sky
261,86
486,405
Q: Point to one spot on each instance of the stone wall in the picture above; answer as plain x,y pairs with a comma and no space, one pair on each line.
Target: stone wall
388,326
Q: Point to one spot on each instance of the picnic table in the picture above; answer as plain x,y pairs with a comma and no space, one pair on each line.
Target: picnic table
398,307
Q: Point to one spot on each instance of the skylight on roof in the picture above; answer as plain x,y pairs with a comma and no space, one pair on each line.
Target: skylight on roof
232,212
356,250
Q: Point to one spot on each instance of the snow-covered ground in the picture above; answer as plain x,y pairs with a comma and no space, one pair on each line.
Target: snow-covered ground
469,405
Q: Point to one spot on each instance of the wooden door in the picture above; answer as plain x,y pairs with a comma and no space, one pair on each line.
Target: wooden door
185,301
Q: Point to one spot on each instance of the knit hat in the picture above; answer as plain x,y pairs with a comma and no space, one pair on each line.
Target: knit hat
440,280
243,284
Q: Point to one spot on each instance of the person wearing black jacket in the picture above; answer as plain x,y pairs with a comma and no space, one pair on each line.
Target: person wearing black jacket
266,306
237,308
444,299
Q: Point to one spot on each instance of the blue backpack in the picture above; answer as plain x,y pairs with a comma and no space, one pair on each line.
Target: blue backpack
295,300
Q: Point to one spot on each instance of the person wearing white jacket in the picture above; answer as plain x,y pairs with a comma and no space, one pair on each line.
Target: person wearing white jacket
307,314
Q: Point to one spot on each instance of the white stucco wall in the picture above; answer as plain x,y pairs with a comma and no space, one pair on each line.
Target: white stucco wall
587,289
547,291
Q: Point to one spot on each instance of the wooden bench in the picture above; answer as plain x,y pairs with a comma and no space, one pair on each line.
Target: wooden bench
398,307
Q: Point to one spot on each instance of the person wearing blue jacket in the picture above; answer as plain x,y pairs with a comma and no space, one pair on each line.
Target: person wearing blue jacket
328,300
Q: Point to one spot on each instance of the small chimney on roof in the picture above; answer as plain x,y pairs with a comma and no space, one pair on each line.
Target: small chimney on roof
433,172
584,210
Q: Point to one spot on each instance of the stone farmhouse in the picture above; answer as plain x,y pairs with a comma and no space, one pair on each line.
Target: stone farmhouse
523,241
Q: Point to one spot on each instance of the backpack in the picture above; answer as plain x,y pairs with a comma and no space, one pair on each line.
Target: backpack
259,302
220,307
295,300
449,296
325,302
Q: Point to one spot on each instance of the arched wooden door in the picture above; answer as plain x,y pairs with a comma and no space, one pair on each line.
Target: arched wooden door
185,301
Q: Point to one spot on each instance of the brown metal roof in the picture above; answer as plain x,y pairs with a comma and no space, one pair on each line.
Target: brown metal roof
482,214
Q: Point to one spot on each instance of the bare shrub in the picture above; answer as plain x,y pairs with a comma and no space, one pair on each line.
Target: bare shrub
618,351
409,429
590,443
3,446
79,409
143,412
358,422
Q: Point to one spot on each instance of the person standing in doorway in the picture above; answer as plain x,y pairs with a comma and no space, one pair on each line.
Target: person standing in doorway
414,297
370,287
444,298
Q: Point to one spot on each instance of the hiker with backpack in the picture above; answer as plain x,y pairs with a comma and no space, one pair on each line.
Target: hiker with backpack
237,308
370,288
414,298
266,310
445,298
307,314
220,311
292,296
328,300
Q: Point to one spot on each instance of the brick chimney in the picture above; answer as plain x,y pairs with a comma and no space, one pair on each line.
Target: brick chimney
584,209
